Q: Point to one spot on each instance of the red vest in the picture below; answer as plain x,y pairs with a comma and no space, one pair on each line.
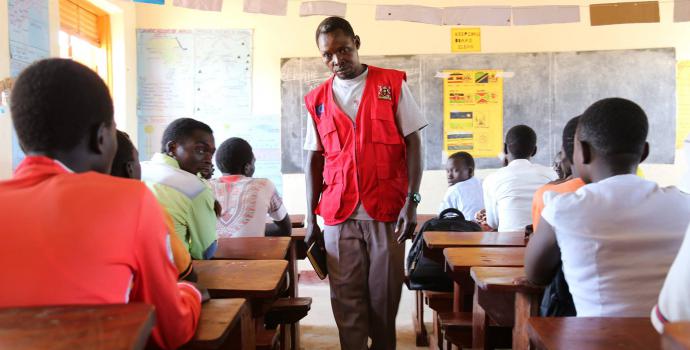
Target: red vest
365,160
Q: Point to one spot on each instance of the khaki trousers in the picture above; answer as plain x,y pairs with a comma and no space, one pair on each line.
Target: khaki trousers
365,272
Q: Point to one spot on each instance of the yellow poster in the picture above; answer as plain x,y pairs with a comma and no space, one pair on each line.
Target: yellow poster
465,40
473,112
682,102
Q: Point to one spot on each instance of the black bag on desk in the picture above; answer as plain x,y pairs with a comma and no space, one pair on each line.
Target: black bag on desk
427,274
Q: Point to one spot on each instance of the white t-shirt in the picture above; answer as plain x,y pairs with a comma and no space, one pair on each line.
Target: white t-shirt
348,94
465,196
246,202
674,299
618,238
508,193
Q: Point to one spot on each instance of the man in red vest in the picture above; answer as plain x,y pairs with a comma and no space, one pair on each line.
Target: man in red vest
363,173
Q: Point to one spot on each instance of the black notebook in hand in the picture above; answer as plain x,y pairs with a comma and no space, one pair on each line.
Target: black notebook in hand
317,258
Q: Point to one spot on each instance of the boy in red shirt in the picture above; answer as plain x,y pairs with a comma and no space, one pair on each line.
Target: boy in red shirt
71,234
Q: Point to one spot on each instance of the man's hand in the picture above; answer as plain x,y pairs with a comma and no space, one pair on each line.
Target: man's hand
480,218
314,233
207,171
407,221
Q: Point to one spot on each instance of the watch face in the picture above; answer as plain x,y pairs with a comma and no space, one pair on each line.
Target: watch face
416,197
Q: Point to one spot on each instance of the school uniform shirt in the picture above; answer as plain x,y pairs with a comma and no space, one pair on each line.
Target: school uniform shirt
674,301
618,238
465,196
88,239
348,95
189,201
246,203
538,201
509,191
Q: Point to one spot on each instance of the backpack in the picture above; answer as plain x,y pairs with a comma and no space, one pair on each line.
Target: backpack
557,300
427,274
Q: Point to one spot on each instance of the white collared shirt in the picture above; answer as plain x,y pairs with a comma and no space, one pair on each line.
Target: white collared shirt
618,238
465,196
508,193
674,300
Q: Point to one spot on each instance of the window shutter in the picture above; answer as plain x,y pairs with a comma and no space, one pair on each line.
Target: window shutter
79,21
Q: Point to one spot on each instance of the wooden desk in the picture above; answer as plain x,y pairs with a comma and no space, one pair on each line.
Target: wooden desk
297,220
508,304
592,333
422,218
120,326
298,236
436,241
253,248
676,336
224,322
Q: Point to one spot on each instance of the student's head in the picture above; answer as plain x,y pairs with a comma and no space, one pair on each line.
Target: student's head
235,157
610,139
126,162
459,167
565,155
191,143
62,109
338,46
521,143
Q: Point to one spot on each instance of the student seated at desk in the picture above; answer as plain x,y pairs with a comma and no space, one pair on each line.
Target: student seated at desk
465,191
126,165
73,235
246,201
618,234
175,178
508,192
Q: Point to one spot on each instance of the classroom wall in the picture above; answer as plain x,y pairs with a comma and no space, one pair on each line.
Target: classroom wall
292,36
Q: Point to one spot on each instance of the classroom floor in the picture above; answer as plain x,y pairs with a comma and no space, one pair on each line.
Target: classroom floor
318,327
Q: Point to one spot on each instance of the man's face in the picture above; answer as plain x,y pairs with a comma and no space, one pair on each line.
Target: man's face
456,171
195,153
339,53
108,148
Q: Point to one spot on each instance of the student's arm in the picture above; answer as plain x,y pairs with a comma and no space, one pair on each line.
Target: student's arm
279,214
314,178
407,220
490,204
542,255
177,305
202,225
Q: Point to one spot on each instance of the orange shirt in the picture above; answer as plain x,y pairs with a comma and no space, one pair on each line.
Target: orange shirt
90,239
538,201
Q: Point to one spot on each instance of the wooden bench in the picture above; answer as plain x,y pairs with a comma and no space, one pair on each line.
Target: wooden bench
119,326
592,333
456,328
253,248
676,336
224,323
438,302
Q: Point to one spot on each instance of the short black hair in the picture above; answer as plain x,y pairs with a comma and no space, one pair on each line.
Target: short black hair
331,24
569,137
124,155
614,126
521,141
233,154
56,103
464,157
181,129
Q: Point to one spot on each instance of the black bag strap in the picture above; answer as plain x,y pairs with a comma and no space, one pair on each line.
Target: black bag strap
451,213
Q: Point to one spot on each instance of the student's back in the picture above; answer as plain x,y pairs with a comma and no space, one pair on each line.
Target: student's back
674,300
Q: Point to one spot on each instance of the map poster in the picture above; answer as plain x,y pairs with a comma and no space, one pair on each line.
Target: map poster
473,112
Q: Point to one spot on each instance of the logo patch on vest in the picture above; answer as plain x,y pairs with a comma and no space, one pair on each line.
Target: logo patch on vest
319,110
385,93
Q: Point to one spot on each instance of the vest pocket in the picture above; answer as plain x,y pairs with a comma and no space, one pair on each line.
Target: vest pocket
392,187
332,193
383,128
329,135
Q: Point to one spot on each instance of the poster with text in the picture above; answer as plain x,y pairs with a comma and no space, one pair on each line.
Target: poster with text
473,112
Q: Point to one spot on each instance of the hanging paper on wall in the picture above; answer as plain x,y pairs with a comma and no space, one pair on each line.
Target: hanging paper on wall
624,12
681,11
203,5
530,15
465,40
410,13
154,2
322,8
682,102
477,15
266,7
473,112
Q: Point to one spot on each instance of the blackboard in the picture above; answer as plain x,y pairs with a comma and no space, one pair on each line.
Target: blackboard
546,90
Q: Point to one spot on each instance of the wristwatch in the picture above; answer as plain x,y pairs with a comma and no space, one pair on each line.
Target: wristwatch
414,197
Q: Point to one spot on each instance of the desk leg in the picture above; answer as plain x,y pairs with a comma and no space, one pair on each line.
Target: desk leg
458,297
526,305
480,322
244,331
293,272
421,337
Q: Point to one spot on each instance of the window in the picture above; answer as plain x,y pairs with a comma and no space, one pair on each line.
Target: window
85,36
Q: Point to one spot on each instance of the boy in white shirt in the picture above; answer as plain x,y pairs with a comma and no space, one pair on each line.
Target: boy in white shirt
508,192
465,191
674,300
618,234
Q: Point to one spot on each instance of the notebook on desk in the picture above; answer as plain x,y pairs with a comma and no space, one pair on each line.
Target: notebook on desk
317,258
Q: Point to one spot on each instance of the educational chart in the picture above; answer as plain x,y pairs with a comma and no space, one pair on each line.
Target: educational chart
29,38
473,112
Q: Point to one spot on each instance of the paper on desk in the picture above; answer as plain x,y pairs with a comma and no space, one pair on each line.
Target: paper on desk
267,7
204,5
322,8
530,15
477,15
409,13
681,11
